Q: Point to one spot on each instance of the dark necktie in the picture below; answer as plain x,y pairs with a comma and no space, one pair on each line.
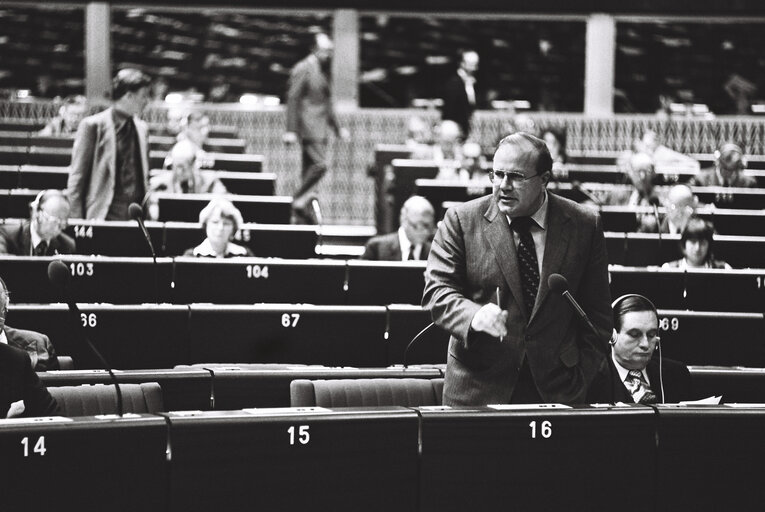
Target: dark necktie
528,265
638,388
411,253
41,248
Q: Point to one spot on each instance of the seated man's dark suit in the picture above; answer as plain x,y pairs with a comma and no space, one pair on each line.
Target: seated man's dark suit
19,382
388,248
676,377
16,239
37,345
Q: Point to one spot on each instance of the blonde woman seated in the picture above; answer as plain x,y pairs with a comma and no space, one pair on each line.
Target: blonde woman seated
220,220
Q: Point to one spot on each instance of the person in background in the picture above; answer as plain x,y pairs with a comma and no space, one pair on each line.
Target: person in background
460,98
638,169
681,203
220,220
110,157
310,117
412,240
662,156
42,234
728,170
185,177
556,144
194,128
70,114
418,133
42,355
636,374
696,243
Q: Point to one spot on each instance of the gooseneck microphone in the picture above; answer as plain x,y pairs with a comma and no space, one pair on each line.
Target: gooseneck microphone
654,201
559,284
136,212
320,221
58,275
416,337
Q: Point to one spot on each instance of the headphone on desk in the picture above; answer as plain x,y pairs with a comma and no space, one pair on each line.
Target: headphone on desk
646,305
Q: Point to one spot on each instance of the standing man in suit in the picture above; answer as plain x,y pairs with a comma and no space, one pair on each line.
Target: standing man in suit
42,355
310,117
110,158
412,240
42,234
21,392
460,93
512,340
635,373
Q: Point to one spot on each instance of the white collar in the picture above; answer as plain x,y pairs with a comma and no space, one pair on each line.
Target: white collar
539,216
406,245
3,337
465,76
624,372
206,249
35,237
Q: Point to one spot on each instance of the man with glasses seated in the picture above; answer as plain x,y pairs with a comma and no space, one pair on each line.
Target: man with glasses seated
43,234
513,340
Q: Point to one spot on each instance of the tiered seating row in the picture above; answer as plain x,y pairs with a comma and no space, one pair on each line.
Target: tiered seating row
391,458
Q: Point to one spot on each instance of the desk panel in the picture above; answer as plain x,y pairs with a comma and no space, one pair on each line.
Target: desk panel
260,209
150,336
404,323
544,459
254,280
385,282
287,460
223,161
710,458
88,464
736,385
115,238
34,177
269,333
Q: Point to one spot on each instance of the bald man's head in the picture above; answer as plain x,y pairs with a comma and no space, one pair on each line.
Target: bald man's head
417,219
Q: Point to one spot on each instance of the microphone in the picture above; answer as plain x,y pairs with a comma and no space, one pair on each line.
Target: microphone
320,220
654,201
576,185
416,337
58,275
136,212
559,284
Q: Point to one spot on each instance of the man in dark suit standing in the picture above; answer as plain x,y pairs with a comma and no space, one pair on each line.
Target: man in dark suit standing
411,241
21,392
460,93
310,117
635,374
43,234
110,156
512,340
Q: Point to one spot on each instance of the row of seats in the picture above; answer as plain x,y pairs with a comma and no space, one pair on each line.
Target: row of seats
186,280
391,458
220,386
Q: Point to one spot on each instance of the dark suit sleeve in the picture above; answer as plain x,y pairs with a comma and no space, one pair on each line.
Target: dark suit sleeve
370,250
82,165
445,293
595,298
4,241
37,400
295,86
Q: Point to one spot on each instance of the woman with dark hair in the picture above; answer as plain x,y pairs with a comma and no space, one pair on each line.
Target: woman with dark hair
696,243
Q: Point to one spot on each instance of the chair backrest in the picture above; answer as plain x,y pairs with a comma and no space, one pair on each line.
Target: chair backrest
366,392
90,400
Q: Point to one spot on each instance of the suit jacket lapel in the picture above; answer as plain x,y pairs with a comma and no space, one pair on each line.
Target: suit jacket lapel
395,249
501,240
556,245
25,238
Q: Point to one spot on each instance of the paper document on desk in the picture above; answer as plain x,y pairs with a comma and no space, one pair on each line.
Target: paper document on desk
712,400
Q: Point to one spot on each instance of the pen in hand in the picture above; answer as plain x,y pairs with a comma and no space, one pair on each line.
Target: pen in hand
499,305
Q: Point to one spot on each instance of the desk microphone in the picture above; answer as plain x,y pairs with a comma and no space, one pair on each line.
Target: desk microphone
58,275
654,201
576,185
320,220
136,212
416,337
559,284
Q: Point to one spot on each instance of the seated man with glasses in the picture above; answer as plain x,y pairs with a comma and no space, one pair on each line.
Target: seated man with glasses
513,340
638,373
43,234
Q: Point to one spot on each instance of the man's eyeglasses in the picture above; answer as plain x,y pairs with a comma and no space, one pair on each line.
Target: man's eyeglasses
47,217
515,178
